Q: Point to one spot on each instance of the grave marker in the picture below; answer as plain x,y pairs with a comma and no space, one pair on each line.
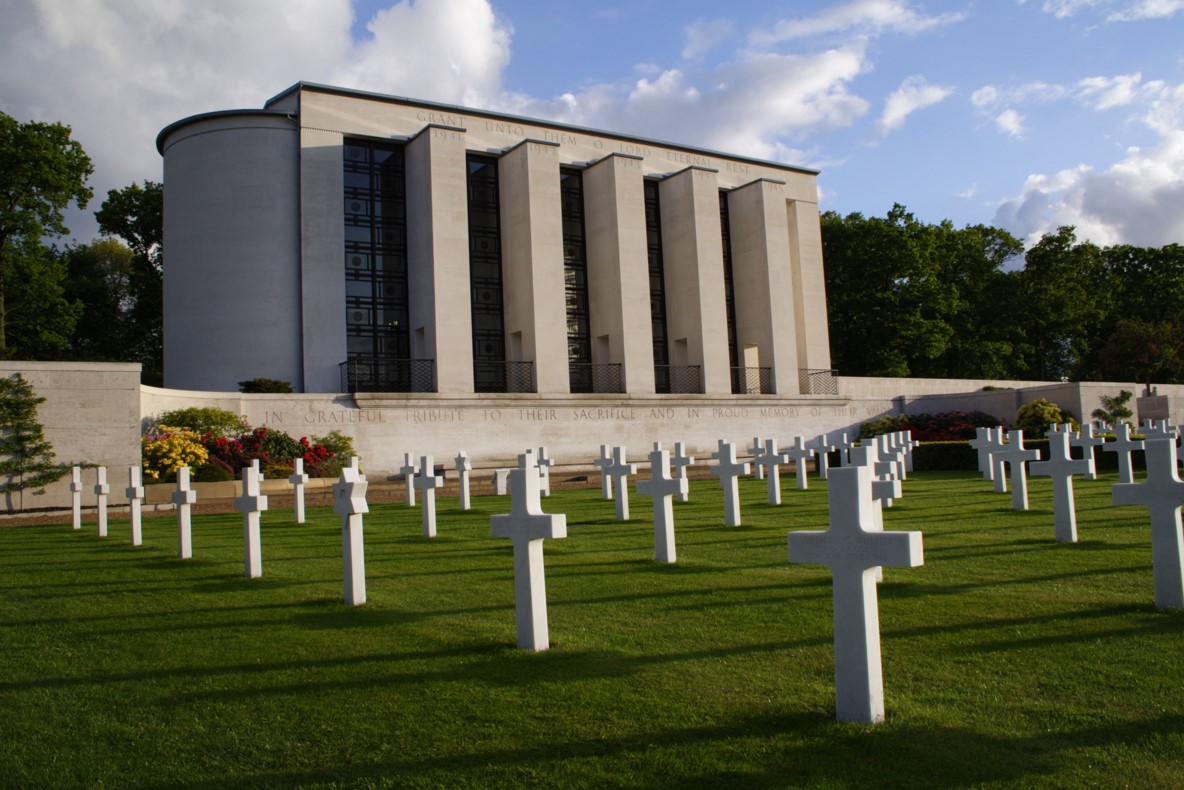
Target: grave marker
824,448
76,496
981,443
771,460
681,462
298,478
728,470
463,467
799,453
619,471
408,471
349,501
1163,494
101,492
1061,468
1122,446
1017,457
603,462
251,504
527,526
661,486
184,498
545,463
844,444
428,482
853,547
135,496
500,480
998,473
758,447
1087,440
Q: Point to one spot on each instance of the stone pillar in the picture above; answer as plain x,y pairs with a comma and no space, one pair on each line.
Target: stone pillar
692,253
808,285
532,263
322,250
618,270
438,256
762,280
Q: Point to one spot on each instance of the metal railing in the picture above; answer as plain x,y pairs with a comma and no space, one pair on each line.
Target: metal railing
752,381
382,374
817,381
587,377
673,379
493,376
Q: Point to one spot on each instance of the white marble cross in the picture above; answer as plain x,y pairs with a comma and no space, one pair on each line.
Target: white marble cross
1061,468
527,526
680,461
1163,494
101,492
408,471
428,482
251,504
619,471
500,481
1015,456
844,444
981,443
661,486
799,453
853,547
1123,445
728,470
757,448
545,463
823,448
463,467
184,498
76,496
1157,429
603,462
258,468
298,478
771,460
349,501
1087,440
998,473
909,445
355,463
135,497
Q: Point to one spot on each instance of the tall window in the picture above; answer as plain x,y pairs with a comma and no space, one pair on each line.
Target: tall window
738,381
653,229
575,274
485,276
377,324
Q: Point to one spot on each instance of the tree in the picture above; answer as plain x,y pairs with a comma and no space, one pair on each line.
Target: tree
27,457
1114,408
135,214
1145,351
42,171
41,316
99,281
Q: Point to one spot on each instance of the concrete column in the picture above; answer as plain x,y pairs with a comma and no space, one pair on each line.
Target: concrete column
532,262
618,269
808,285
692,253
761,280
438,256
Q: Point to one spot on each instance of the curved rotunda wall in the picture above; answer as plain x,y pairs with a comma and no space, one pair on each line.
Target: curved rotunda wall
231,225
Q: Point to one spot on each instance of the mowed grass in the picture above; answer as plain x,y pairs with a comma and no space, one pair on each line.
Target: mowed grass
1009,659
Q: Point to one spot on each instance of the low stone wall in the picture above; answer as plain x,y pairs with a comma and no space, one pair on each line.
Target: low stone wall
94,413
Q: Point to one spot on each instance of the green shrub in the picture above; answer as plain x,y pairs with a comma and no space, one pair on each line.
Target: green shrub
336,442
206,420
1114,409
1035,417
264,385
213,472
944,456
280,447
277,470
886,424
329,467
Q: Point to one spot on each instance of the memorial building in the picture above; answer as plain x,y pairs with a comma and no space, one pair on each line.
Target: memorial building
353,242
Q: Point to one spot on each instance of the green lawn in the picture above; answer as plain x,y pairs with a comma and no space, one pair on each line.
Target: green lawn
1008,658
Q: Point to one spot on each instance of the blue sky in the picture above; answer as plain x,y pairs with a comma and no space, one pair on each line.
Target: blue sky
1027,114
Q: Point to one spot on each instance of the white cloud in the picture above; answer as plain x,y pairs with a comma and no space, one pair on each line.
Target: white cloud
1147,9
1062,9
912,95
1102,93
1010,123
1137,200
702,37
864,17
